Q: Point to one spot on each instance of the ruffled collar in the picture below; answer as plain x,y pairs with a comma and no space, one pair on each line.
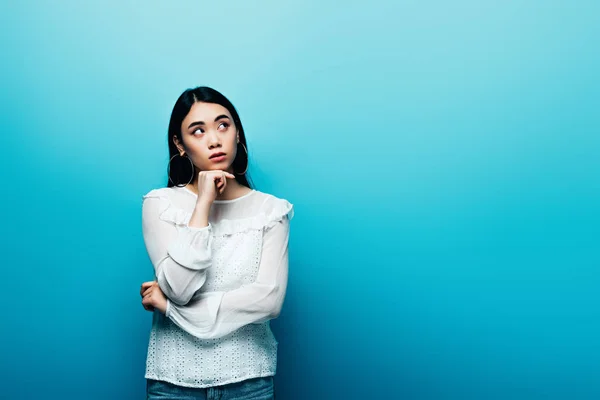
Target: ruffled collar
266,219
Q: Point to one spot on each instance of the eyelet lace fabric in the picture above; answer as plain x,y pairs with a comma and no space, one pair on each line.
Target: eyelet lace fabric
222,335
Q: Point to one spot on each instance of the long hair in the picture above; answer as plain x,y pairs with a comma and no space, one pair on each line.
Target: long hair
179,172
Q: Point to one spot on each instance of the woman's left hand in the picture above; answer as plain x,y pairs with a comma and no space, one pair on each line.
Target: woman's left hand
153,297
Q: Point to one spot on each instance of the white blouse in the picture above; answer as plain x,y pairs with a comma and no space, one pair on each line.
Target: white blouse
223,284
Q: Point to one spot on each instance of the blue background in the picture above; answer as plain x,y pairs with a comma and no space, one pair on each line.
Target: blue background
442,158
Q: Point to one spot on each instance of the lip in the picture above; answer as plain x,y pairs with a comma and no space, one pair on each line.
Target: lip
217,157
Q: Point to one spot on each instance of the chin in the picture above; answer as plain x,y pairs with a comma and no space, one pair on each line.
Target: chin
222,166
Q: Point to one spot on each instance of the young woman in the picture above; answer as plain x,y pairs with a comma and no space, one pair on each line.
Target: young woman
220,254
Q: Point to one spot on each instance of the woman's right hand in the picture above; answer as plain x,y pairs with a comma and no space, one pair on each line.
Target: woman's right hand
212,183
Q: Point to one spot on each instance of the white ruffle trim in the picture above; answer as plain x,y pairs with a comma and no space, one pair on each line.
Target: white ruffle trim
265,220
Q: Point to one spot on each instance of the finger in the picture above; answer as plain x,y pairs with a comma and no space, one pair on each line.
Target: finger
148,301
224,180
226,174
143,288
149,290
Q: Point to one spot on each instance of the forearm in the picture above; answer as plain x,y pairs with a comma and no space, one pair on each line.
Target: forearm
216,314
199,218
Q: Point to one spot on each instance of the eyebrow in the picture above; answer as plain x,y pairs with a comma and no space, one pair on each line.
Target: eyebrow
202,123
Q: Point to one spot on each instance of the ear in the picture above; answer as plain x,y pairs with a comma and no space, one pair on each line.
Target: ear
178,145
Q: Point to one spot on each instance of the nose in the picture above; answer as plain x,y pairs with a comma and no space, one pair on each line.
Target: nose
213,140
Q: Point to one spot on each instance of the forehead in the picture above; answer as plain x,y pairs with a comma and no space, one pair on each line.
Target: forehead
205,112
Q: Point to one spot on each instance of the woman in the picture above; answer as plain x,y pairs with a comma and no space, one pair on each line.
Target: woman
220,254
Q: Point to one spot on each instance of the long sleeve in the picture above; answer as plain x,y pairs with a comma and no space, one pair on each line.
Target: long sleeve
217,313
179,253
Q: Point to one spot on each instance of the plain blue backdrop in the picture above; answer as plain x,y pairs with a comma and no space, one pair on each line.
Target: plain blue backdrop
443,159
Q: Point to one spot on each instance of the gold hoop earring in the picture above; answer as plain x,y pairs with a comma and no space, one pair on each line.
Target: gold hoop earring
169,170
247,160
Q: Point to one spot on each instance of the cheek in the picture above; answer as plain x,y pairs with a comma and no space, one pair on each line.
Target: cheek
196,159
232,143
197,153
234,151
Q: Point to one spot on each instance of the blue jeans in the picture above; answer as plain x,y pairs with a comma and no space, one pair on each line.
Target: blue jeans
250,389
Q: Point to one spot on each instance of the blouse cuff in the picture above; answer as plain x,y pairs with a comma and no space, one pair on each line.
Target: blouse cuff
196,229
168,308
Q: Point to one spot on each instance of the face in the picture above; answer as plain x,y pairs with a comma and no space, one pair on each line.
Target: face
209,136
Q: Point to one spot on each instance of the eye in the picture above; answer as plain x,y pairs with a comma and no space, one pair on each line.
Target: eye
225,124
197,131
